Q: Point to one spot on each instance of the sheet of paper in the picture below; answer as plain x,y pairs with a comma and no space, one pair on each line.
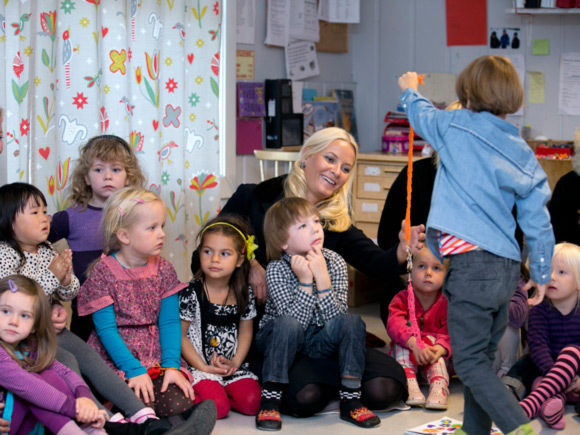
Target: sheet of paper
443,426
536,95
541,47
301,60
339,11
304,20
297,88
569,98
277,23
246,22
466,22
244,64
519,63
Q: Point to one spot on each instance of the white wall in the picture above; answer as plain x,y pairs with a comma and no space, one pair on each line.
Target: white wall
401,35
395,36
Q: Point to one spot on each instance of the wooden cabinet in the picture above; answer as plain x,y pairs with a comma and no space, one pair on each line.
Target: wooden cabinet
375,173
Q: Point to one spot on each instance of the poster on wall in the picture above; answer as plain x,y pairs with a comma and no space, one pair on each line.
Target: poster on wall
466,22
504,38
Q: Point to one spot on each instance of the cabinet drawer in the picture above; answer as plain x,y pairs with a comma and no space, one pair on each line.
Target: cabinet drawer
379,169
368,210
374,187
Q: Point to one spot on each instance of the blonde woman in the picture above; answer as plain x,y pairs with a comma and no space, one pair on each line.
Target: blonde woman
323,176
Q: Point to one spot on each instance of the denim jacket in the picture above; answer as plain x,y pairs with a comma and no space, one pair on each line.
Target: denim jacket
485,168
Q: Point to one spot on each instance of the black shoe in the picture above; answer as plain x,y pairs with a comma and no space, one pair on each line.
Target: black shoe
360,416
268,419
577,408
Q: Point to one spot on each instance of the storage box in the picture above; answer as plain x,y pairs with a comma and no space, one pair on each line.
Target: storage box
362,290
395,144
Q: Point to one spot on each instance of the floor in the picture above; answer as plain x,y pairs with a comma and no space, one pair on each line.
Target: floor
393,422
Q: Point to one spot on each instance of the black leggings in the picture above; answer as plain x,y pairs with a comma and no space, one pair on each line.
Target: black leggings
377,393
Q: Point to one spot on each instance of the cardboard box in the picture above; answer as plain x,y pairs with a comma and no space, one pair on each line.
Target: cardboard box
362,290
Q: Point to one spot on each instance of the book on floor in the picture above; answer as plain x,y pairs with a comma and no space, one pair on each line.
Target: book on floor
443,426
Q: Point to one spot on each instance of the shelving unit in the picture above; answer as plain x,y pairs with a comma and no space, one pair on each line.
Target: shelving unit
543,11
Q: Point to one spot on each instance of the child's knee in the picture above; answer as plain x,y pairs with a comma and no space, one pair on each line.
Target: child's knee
348,323
245,396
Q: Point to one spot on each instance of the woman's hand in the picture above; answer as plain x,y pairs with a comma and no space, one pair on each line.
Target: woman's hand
257,279
59,317
408,80
142,385
61,267
171,376
417,241
88,412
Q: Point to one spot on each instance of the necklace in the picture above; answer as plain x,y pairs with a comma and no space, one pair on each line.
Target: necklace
214,339
224,303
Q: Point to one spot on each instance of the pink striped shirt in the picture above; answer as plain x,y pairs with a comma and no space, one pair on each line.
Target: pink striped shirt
451,245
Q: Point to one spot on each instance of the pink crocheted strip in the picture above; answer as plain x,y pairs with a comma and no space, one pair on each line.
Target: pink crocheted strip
415,331
94,306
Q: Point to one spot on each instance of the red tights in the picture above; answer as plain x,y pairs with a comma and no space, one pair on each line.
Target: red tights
242,396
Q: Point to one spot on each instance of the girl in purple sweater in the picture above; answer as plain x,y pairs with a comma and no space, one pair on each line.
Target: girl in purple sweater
554,340
39,390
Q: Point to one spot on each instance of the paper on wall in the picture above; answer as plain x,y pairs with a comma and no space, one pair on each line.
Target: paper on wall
277,23
304,20
569,98
536,94
246,22
301,60
339,11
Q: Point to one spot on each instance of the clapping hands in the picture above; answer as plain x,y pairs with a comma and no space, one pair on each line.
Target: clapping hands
61,267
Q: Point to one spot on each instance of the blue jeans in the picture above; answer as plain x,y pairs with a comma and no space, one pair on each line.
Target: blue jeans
282,338
478,287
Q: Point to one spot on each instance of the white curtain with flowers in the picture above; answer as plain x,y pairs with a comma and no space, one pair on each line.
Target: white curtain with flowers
144,70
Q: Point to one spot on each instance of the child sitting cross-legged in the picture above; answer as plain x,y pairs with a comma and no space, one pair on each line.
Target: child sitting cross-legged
430,311
306,311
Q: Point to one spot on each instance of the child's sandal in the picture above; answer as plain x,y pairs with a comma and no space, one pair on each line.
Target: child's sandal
416,397
438,396
269,419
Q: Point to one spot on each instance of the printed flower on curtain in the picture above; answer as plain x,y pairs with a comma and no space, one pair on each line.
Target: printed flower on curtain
19,26
199,12
175,206
60,184
152,63
48,24
136,140
200,183
47,106
215,68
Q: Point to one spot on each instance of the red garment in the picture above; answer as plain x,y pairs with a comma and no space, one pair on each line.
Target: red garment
431,322
242,395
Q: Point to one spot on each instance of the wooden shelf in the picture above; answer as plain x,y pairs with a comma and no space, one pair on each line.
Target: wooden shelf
543,11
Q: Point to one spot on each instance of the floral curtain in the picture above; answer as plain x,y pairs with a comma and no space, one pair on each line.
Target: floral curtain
144,70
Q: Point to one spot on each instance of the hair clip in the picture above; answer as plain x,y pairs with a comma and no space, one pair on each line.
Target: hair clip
120,210
138,200
12,285
249,245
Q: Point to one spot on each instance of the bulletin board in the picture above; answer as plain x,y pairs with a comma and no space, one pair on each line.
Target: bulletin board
333,37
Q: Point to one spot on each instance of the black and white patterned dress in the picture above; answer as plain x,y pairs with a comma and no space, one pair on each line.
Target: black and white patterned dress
220,330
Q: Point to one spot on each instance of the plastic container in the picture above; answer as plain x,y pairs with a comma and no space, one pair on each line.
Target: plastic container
395,144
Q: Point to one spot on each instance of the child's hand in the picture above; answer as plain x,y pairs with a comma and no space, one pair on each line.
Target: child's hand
142,385
59,316
4,424
438,352
408,80
224,363
217,367
317,265
540,292
175,377
87,411
61,267
301,269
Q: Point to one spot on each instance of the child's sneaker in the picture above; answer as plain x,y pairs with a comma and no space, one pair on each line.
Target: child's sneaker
552,412
416,397
438,395
353,411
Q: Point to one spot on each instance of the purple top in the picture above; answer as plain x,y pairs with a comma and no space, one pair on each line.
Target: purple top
549,332
518,306
35,390
82,230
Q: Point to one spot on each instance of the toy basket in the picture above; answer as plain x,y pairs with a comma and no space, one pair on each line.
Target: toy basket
395,144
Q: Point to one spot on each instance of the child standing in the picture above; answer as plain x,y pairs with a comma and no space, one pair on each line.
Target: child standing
24,227
430,312
132,295
554,340
485,168
216,318
306,311
39,390
105,164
